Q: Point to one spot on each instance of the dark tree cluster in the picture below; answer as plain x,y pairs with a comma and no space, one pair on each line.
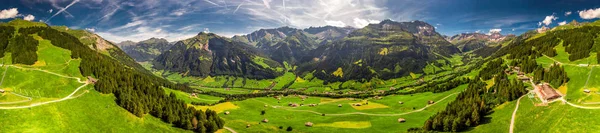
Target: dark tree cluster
23,49
492,68
579,42
6,33
555,75
138,92
474,103
526,63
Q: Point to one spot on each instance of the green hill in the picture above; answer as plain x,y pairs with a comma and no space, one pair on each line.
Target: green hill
45,86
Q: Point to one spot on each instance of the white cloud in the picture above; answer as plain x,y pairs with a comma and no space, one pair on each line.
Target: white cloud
568,13
90,29
477,31
548,20
492,31
8,13
128,25
303,14
562,23
335,23
590,13
178,12
360,23
63,9
266,2
29,17
513,29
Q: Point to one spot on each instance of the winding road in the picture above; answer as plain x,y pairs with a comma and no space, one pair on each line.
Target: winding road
70,96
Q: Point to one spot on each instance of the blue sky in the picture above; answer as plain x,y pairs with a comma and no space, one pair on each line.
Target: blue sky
119,20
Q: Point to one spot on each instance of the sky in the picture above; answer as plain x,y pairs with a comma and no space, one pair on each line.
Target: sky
136,20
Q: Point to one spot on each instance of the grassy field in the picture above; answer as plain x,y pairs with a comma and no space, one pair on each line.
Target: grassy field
189,99
92,112
381,115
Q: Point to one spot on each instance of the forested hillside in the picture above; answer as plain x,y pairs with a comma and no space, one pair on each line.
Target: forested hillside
138,92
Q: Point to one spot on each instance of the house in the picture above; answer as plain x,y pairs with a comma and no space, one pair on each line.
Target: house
430,102
401,120
1,91
547,92
265,120
308,124
523,78
92,80
193,95
520,74
586,91
226,112
339,105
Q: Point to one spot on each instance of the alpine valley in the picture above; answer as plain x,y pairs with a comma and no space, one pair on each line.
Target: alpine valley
385,76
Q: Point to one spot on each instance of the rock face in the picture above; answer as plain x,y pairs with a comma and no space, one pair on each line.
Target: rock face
290,45
471,41
145,50
208,54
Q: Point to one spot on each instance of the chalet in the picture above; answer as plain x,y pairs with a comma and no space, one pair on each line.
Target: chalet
339,105
92,80
520,74
430,102
523,78
226,112
357,104
1,91
586,91
265,120
292,104
547,92
193,95
308,124
517,68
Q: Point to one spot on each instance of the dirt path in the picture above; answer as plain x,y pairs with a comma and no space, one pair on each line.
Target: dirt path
361,113
578,106
46,102
230,130
512,120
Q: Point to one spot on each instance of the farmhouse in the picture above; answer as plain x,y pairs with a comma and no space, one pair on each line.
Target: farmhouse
547,92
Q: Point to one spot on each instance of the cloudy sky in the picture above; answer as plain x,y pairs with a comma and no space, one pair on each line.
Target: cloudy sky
119,20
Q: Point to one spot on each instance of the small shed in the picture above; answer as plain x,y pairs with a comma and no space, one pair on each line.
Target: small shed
248,126
400,102
265,120
586,91
357,104
308,124
339,105
401,120
226,112
1,91
430,102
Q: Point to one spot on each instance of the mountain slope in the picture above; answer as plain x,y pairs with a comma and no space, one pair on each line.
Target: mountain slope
471,41
209,55
145,50
385,50
291,45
